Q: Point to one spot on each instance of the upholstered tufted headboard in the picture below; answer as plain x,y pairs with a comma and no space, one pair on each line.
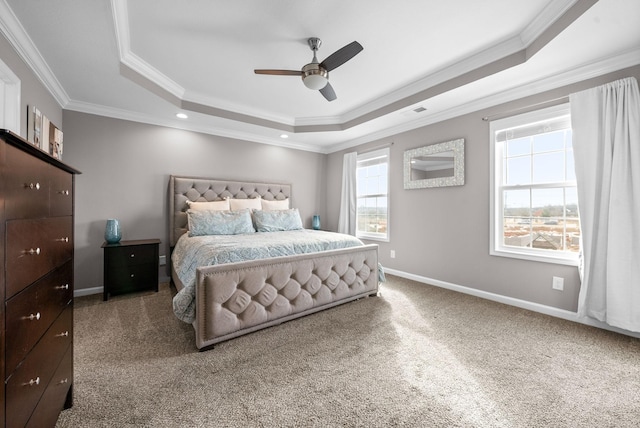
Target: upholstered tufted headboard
182,189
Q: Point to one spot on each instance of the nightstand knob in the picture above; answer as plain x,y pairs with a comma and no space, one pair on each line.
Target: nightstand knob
132,275
64,192
63,334
33,252
33,317
65,239
63,287
33,186
132,255
65,380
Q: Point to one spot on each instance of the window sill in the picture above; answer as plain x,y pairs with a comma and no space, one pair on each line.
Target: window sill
523,255
372,238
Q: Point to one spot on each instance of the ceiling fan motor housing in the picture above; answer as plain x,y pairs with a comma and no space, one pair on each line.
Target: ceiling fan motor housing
314,76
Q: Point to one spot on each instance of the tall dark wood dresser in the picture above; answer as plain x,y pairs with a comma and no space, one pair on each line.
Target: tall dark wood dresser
36,284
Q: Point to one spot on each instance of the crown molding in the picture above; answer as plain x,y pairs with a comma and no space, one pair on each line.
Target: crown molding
17,36
121,114
549,15
577,74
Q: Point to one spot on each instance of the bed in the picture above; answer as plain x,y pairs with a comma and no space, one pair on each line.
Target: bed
238,281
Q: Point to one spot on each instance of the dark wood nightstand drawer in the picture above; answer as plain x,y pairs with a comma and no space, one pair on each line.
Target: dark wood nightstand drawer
132,255
132,278
131,266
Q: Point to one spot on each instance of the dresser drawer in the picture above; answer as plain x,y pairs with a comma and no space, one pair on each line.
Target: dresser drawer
35,247
60,193
27,384
54,397
30,313
26,183
132,255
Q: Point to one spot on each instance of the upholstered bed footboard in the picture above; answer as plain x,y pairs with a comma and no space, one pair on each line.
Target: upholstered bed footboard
238,298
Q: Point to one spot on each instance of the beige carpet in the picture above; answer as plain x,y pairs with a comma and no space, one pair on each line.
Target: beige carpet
414,356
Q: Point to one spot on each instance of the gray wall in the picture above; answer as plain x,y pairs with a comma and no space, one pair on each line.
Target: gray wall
443,233
125,172
33,93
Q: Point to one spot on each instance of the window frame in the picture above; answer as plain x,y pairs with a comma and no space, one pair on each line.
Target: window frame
384,152
10,98
497,246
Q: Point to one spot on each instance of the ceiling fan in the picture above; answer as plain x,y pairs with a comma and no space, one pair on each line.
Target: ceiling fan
315,75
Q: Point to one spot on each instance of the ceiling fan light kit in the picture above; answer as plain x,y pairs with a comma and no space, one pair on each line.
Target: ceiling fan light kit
315,75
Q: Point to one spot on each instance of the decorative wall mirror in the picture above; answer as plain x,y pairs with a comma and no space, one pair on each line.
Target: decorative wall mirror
437,165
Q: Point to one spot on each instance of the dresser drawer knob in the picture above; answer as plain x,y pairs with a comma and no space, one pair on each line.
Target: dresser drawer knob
63,287
33,186
32,251
132,255
132,275
33,317
65,239
63,192
65,380
33,382
63,334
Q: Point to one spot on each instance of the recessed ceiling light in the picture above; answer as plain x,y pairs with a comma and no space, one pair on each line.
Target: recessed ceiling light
181,116
284,136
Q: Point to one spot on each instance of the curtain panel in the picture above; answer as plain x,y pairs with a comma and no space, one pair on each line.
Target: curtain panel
606,142
347,219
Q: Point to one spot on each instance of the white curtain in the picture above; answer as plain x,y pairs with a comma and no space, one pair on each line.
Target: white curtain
347,219
606,144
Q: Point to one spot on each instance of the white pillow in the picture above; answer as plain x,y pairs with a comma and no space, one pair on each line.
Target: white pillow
243,204
275,205
209,206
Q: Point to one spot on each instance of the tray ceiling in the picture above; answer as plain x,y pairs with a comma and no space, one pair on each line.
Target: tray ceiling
146,60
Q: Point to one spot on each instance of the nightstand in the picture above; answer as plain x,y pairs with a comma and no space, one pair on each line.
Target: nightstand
131,266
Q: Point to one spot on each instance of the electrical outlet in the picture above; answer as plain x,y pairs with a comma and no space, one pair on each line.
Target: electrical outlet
557,283
163,260
393,254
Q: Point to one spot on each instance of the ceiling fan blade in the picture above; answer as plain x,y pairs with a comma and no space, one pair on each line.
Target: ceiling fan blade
328,92
279,72
341,56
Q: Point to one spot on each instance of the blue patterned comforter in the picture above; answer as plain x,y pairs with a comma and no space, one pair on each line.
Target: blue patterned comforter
192,252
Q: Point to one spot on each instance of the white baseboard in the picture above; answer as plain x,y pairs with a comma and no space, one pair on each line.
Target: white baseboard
535,307
87,291
100,290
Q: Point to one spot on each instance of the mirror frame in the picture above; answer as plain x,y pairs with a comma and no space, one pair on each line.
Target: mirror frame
457,179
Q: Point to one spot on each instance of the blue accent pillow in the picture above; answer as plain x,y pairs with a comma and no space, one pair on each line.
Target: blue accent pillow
275,221
219,222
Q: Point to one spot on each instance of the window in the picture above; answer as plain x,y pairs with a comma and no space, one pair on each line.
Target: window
534,201
372,178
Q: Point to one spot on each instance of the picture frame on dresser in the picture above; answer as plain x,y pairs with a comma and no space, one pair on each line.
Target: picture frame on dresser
36,284
42,133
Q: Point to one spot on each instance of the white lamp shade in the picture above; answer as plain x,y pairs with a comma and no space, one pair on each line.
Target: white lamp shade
315,81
